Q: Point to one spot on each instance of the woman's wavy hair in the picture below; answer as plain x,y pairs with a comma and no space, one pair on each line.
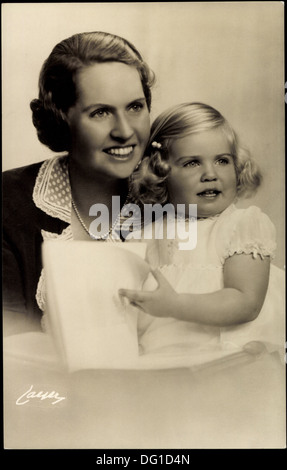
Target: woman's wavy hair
149,180
57,86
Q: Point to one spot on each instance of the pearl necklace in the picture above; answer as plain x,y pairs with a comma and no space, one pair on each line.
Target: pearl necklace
98,237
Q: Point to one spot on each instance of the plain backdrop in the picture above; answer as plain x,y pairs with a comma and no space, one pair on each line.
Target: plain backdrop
229,55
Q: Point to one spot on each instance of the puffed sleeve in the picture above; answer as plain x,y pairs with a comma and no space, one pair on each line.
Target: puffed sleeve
252,232
249,231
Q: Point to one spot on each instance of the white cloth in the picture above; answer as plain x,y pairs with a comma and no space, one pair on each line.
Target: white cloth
200,271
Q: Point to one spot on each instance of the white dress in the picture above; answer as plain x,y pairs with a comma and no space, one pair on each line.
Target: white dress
200,270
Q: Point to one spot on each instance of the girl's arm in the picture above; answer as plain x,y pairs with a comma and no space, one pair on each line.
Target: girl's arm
245,285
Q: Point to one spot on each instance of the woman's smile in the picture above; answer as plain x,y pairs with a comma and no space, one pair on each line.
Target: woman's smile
120,151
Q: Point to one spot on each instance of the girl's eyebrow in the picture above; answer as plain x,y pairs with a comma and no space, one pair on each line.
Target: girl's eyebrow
226,154
192,157
188,157
109,106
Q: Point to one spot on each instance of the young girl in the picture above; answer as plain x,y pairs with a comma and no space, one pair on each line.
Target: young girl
223,292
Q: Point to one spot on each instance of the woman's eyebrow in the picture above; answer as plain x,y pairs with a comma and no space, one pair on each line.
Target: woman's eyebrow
97,105
109,106
142,99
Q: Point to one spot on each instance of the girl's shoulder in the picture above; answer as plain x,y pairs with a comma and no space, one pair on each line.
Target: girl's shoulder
246,230
250,218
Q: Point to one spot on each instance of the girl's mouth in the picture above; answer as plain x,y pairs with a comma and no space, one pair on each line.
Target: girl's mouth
209,193
120,152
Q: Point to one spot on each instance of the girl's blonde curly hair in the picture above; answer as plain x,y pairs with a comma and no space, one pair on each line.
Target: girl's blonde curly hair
149,180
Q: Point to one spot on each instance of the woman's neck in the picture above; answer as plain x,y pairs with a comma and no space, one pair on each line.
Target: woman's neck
90,188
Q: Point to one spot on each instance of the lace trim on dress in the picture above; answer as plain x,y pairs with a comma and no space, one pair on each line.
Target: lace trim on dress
253,248
40,293
41,300
52,194
66,235
52,190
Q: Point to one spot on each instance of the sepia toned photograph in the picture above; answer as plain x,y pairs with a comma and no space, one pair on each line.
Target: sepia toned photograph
143,223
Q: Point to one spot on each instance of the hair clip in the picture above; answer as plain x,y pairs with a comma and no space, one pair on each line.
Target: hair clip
156,145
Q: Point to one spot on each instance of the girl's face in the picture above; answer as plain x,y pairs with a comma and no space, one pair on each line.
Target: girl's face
110,122
202,172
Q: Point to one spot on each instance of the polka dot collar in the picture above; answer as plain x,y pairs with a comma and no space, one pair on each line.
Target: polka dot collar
52,190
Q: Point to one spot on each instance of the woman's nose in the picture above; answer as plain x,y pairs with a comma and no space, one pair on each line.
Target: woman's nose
122,129
209,173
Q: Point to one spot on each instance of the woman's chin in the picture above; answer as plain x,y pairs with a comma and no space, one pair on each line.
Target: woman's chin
124,169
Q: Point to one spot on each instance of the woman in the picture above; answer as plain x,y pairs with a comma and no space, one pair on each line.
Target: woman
94,103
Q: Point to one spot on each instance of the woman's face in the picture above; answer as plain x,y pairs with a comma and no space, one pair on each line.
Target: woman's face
110,122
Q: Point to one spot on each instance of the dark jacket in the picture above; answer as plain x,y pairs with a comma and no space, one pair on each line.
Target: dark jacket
22,240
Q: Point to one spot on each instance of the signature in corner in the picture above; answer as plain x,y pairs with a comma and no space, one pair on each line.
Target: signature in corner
30,393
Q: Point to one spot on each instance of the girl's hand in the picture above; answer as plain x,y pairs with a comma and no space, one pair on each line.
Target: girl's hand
160,303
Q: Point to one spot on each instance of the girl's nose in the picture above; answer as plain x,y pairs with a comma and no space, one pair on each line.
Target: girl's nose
122,128
208,173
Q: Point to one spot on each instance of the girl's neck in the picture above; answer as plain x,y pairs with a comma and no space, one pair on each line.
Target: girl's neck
211,216
199,217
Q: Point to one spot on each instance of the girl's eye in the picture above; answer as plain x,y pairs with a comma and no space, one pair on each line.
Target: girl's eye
192,164
99,113
223,161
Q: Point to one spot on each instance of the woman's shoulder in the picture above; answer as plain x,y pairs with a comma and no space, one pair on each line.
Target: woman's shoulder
17,189
23,176
19,208
20,182
28,173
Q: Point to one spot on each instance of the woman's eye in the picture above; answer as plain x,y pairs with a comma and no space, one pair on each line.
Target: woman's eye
136,107
99,113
